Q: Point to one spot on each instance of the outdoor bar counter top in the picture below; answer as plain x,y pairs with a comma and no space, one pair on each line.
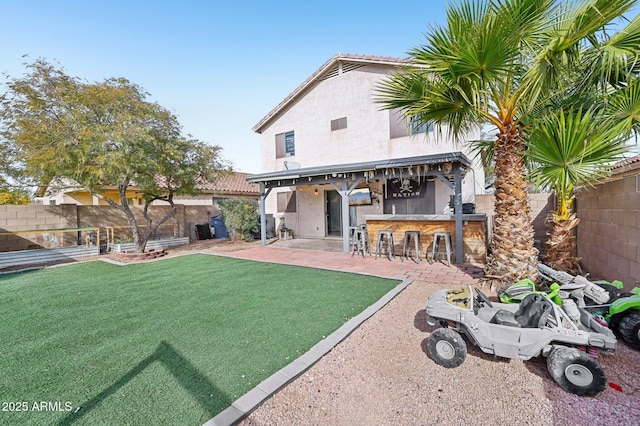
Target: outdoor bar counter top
474,229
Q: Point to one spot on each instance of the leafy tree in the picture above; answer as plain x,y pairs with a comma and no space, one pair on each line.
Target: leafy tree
12,197
101,135
241,217
506,63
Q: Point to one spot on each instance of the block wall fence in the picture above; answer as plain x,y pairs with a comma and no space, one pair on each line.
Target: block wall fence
609,229
541,204
38,217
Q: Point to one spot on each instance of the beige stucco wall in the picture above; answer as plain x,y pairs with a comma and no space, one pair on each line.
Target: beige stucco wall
366,138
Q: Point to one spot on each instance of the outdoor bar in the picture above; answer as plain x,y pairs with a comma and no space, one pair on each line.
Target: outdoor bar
474,229
400,177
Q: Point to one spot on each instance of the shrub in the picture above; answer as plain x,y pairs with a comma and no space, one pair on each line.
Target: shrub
241,217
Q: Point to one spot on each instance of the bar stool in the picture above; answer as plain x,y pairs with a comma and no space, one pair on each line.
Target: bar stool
352,237
446,236
385,243
409,237
365,238
359,241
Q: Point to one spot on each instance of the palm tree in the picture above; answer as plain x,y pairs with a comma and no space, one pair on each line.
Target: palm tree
569,150
500,62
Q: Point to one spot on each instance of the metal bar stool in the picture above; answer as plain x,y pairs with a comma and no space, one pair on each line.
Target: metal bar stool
409,237
359,241
352,238
385,243
446,236
365,238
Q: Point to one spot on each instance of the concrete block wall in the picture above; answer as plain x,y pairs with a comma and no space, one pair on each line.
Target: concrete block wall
609,229
541,204
38,217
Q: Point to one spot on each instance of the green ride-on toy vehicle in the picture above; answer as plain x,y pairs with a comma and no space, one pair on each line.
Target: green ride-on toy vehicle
537,326
620,310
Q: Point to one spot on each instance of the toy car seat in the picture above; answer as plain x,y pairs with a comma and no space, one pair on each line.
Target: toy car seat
532,313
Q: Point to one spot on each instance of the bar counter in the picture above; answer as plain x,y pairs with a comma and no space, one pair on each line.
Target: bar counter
474,229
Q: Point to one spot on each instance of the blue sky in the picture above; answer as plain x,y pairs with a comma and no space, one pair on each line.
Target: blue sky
219,66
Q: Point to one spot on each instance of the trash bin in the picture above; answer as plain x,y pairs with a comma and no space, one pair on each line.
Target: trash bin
220,229
203,232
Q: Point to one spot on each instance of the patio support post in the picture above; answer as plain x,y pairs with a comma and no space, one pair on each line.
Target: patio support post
263,215
344,190
457,201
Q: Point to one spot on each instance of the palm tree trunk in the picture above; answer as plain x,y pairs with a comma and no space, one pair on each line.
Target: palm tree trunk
561,249
513,256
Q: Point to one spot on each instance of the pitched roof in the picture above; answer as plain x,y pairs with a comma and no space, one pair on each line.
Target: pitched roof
326,68
627,164
232,183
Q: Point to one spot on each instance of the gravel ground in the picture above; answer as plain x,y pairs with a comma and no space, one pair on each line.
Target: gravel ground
381,374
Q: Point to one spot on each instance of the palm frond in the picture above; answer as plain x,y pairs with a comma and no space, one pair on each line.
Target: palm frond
571,149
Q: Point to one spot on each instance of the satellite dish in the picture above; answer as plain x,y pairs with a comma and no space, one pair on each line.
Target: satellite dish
291,165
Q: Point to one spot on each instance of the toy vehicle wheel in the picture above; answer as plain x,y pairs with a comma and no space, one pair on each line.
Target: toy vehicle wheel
629,328
447,348
576,372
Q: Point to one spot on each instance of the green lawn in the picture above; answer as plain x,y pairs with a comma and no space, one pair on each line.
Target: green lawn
170,342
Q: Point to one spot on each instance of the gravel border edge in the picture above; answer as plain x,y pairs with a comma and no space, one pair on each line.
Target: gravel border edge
247,403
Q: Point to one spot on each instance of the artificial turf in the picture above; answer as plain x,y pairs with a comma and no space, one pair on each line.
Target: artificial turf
169,342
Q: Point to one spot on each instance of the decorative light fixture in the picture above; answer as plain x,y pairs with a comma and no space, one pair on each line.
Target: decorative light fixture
315,192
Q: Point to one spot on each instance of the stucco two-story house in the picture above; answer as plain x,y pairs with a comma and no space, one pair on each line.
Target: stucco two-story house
329,140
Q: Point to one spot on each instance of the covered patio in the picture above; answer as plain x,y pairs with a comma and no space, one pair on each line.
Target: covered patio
448,168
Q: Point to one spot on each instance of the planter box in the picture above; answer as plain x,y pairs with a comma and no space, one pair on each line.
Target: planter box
39,256
162,243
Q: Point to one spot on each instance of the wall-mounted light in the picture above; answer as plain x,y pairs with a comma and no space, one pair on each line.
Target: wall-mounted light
315,192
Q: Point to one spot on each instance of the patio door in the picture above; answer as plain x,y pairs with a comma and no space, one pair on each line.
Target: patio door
333,213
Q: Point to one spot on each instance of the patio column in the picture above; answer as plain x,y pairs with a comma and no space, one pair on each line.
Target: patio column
263,214
457,202
344,190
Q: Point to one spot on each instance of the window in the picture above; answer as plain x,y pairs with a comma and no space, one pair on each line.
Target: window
216,200
400,125
287,202
52,202
417,127
285,145
339,123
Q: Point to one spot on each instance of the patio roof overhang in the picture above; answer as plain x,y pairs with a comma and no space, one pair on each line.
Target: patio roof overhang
449,168
436,165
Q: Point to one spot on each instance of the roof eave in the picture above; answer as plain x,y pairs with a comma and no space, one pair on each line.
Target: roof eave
284,175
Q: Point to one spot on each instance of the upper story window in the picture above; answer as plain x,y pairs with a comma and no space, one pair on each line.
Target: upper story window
417,127
285,145
401,126
339,123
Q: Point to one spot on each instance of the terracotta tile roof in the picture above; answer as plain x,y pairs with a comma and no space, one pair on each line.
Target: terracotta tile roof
626,164
233,183
340,57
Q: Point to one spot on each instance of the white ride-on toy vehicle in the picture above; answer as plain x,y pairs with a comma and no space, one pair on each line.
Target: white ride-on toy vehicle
535,327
